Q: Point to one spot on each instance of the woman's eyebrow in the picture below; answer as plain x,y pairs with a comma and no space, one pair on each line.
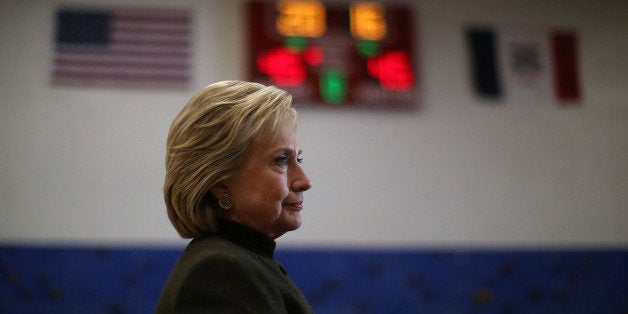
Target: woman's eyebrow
290,150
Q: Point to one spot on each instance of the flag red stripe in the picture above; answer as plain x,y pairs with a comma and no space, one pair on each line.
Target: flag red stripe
154,17
65,54
147,42
564,55
156,33
120,76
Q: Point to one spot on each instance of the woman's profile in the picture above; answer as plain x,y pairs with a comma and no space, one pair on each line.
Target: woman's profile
233,184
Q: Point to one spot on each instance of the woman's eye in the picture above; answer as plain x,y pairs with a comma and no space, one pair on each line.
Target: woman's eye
281,160
300,159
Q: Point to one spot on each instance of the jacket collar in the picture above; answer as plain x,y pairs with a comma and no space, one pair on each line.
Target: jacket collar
246,237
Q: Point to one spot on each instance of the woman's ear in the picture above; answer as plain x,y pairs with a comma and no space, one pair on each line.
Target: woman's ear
218,190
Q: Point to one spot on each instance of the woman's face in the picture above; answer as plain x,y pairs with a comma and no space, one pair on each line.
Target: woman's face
268,191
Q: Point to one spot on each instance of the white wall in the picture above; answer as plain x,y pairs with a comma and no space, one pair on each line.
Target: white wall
85,165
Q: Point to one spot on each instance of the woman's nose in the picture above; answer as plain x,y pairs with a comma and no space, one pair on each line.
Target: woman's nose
300,182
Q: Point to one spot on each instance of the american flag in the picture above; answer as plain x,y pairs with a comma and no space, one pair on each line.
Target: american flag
122,46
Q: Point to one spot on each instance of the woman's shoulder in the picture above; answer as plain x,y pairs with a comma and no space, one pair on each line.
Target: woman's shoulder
209,258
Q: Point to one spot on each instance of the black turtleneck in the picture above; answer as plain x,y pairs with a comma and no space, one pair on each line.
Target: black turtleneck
246,237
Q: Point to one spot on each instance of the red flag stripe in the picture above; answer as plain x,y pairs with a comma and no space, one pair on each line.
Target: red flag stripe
564,54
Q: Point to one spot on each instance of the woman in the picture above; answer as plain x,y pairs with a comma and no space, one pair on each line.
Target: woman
234,183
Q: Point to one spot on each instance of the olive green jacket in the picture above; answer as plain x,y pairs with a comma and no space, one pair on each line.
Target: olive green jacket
232,271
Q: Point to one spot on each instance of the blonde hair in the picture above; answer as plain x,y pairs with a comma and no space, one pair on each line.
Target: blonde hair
209,141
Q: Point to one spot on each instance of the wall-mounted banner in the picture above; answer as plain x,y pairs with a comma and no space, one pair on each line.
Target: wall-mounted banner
139,46
524,63
358,54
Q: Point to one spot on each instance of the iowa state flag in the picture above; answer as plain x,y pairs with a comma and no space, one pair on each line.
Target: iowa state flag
524,63
122,46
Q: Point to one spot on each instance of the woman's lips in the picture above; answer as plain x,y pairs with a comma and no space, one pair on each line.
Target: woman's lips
294,205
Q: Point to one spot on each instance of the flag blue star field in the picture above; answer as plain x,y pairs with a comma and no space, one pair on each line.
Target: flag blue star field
122,46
